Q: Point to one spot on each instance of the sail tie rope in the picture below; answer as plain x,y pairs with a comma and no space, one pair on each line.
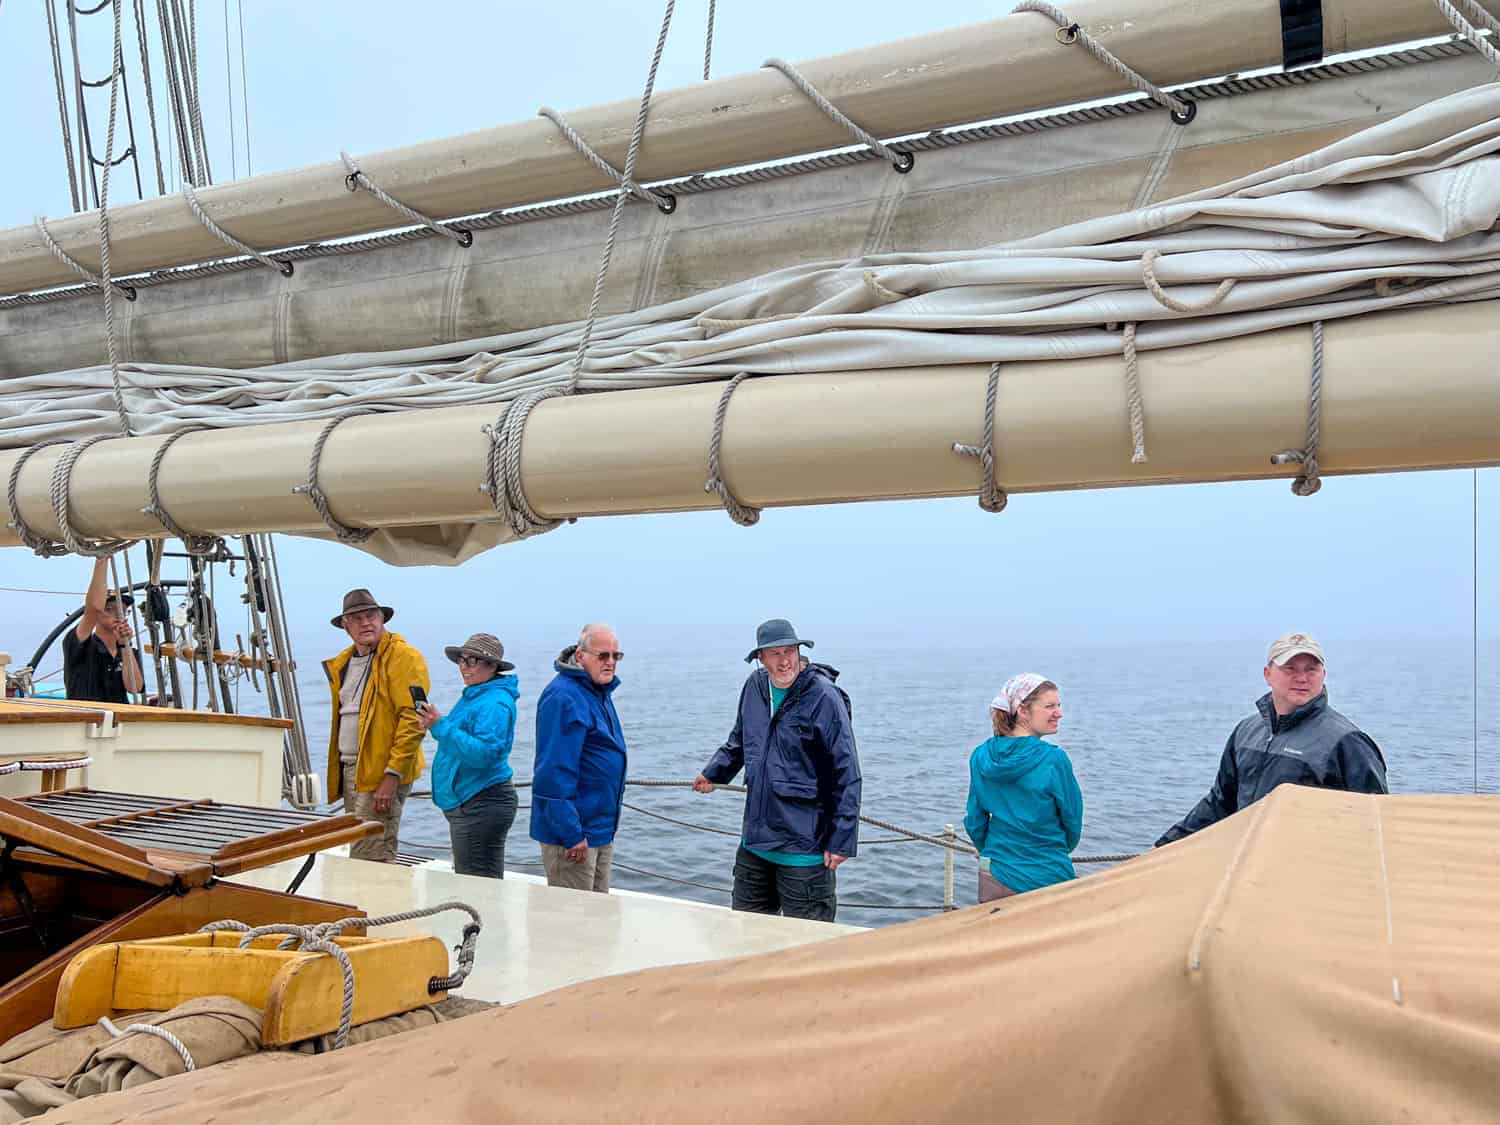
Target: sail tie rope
357,179
665,201
195,543
1166,300
282,267
1308,481
742,514
1133,398
992,497
1070,32
106,288
40,544
314,491
62,502
901,161
1468,23
150,1029
319,938
126,291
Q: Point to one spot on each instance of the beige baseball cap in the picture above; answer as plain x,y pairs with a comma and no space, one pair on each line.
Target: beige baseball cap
1288,645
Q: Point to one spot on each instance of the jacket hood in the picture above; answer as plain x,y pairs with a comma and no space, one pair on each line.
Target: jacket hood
1008,759
566,660
499,685
567,665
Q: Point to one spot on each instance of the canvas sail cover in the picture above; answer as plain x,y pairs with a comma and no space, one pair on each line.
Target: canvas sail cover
1321,956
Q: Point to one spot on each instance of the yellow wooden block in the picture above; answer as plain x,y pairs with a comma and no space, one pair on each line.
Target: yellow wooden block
300,993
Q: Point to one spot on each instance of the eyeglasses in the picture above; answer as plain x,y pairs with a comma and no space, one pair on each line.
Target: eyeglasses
466,659
615,657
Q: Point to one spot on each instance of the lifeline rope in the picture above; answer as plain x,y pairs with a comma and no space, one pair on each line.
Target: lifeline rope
1467,24
62,502
106,287
900,161
150,1029
1208,304
1308,481
665,201
992,497
40,544
319,938
282,267
1070,32
1133,398
357,179
742,514
195,543
314,492
126,291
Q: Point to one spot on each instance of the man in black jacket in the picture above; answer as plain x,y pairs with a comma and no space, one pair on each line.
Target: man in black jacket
1294,736
792,736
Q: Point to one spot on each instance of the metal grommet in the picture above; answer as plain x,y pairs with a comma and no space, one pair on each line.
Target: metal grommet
351,181
666,202
904,162
1187,115
1067,36
128,291
285,267
465,237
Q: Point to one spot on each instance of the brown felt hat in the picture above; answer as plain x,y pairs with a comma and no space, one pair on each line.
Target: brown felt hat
356,600
486,646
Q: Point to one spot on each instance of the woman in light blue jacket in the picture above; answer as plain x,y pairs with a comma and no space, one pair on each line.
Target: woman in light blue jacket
471,774
1025,810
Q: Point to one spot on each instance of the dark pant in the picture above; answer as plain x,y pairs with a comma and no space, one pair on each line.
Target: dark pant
478,828
763,887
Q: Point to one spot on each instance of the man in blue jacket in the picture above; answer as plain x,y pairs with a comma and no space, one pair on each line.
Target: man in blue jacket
793,738
578,779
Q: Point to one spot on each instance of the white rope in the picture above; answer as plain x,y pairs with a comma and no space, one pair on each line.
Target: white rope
1133,398
191,195
1166,300
62,502
742,514
901,161
1467,24
150,1029
40,544
345,533
195,543
1309,481
1070,32
40,222
708,40
357,179
665,201
106,288
992,497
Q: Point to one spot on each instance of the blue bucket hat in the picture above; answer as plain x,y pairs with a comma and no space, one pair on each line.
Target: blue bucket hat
774,634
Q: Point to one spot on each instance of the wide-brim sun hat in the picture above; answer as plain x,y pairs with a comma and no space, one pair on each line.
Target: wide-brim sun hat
774,633
356,600
486,646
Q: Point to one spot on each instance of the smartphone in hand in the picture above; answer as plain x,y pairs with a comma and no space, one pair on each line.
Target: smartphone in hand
419,697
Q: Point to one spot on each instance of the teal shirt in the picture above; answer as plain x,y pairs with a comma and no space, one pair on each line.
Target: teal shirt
785,859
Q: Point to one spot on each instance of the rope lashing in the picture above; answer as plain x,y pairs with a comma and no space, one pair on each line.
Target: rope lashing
900,160
283,267
1133,398
503,481
1166,300
195,543
1309,481
1070,32
314,492
150,1029
742,514
357,179
1468,23
319,938
62,502
992,497
126,291
40,544
665,201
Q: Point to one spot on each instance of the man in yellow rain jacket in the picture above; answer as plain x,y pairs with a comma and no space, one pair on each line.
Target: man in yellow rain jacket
375,743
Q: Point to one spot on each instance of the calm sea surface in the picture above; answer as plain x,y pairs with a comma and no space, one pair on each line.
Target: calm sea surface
1144,728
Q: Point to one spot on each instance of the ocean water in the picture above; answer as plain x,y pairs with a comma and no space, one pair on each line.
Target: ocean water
1144,728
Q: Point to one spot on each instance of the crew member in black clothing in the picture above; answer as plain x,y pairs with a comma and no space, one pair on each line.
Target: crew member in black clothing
99,662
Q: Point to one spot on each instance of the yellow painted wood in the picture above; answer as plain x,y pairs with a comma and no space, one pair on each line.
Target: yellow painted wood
87,988
390,977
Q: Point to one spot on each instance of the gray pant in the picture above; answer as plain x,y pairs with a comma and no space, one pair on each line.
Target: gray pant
478,828
991,888
590,875
382,848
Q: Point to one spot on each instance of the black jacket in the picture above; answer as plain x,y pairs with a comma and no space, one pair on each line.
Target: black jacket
1314,745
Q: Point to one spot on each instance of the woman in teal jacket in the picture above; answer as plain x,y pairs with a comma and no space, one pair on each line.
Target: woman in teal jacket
471,774
1025,810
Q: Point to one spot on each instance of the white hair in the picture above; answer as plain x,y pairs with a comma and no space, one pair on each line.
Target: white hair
587,632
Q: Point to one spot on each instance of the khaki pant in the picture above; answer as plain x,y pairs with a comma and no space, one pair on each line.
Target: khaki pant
382,848
590,875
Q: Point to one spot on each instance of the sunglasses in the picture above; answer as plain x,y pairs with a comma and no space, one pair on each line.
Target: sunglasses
616,657
465,658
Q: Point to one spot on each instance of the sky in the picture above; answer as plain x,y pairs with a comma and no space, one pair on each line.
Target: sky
1366,558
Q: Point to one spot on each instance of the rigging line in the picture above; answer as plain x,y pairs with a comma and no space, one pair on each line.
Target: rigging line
244,87
138,9
62,104
708,40
176,116
107,289
133,152
85,144
234,167
192,26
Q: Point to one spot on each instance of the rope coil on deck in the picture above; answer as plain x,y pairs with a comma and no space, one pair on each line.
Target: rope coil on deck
992,497
742,514
901,161
344,532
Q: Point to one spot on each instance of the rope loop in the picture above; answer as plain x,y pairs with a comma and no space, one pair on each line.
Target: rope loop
283,266
503,466
1133,400
665,202
992,497
40,544
195,543
902,161
742,514
314,492
62,502
1309,481
1070,32
357,179
1166,300
156,1032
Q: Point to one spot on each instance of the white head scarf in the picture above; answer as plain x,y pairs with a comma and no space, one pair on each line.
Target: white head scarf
1015,691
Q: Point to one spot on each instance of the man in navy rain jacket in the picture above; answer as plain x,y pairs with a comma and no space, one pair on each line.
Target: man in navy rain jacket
793,738
578,779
